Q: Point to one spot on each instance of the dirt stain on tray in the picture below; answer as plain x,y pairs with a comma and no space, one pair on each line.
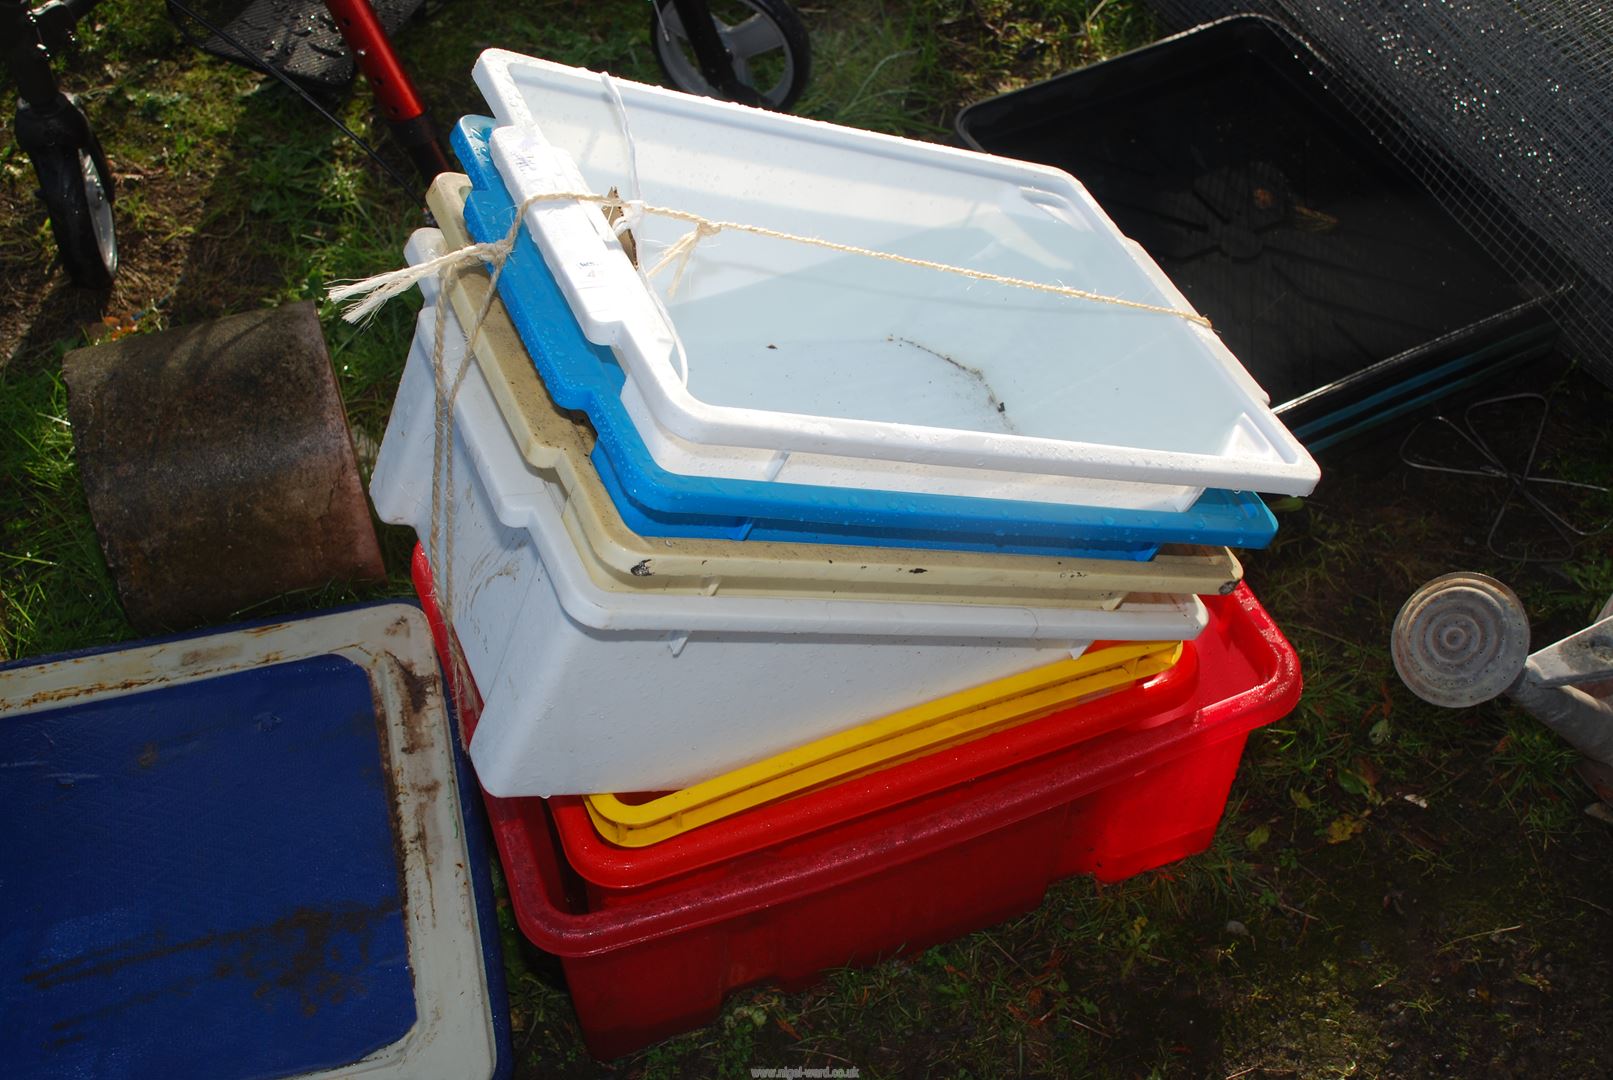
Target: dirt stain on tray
974,373
303,953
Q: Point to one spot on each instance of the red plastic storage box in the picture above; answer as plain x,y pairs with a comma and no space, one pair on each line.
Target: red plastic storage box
615,875
659,957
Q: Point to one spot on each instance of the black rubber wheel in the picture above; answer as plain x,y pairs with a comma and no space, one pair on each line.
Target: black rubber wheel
76,188
766,38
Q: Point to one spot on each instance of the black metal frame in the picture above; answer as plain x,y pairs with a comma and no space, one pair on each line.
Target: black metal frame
34,34
50,127
716,62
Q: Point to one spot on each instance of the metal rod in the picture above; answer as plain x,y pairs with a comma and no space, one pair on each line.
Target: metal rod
1584,722
395,93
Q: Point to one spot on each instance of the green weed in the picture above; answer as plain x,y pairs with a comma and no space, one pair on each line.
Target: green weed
55,591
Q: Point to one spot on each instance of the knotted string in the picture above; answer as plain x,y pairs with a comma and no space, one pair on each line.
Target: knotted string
440,537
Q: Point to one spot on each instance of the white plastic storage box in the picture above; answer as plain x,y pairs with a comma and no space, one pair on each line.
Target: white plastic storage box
788,349
589,690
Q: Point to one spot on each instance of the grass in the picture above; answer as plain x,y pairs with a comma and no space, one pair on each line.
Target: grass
1347,920
57,592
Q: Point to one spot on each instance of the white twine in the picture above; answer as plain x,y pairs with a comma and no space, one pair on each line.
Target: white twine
678,254
440,537
372,293
633,213
634,190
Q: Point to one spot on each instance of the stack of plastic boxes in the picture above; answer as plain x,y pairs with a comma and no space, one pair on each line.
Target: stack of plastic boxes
815,606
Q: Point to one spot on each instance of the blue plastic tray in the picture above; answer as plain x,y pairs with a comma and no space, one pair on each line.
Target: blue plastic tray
213,847
654,502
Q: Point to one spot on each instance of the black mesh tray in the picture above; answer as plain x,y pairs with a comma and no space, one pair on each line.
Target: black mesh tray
1330,272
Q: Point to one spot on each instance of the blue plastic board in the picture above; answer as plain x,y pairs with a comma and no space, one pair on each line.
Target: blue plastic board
204,879
654,502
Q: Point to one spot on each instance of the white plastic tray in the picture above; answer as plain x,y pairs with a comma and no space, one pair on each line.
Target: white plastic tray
869,359
826,470
589,690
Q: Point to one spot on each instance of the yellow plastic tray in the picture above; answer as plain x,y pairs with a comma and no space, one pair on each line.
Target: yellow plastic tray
880,743
558,444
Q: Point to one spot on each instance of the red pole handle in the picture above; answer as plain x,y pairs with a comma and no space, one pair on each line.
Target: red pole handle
366,39
400,102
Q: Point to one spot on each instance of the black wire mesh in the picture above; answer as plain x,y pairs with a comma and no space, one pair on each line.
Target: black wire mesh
1501,109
